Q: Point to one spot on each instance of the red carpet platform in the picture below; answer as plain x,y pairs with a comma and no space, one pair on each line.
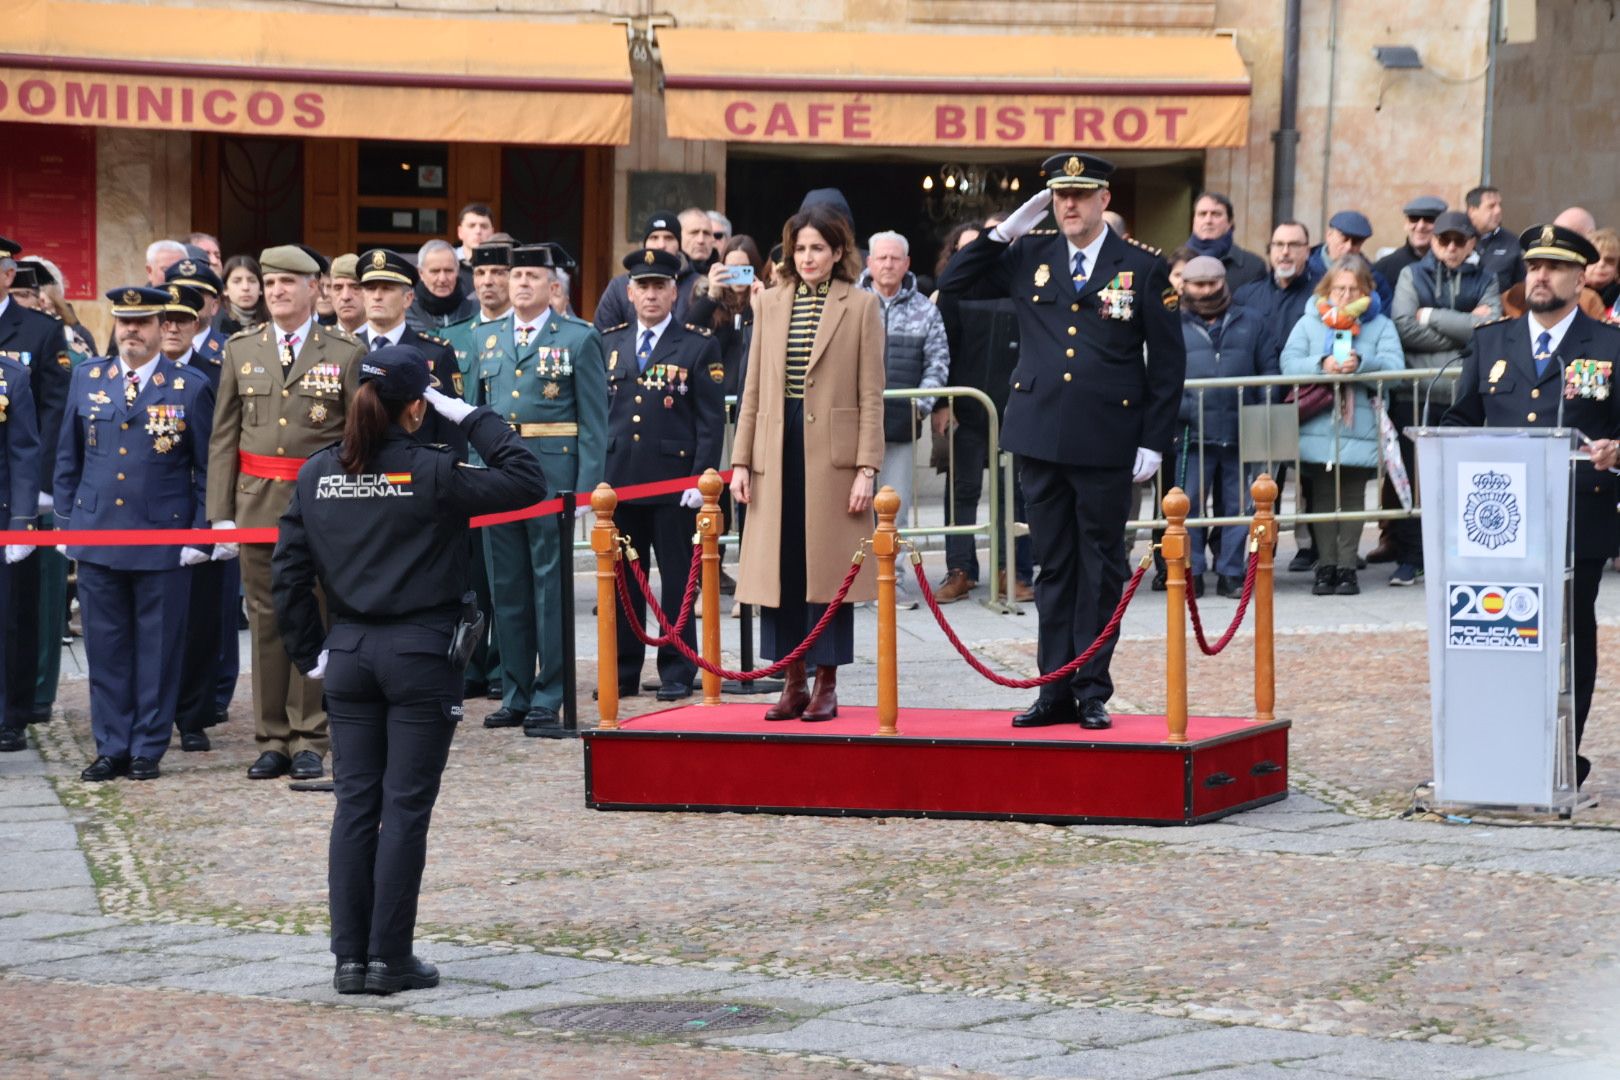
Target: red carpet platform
944,763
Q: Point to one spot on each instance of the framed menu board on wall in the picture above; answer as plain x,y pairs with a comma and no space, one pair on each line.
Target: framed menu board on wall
48,198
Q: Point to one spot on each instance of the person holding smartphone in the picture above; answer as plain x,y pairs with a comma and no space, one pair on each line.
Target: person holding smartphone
1343,332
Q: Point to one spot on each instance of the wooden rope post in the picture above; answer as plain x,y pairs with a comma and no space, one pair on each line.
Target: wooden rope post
1263,541
1174,548
709,524
605,543
885,545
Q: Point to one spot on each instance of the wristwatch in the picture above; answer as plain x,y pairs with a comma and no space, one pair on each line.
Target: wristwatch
868,472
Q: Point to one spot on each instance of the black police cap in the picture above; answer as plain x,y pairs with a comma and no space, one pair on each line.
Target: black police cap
534,255
321,261
400,372
1558,244
661,221
137,301
186,301
380,266
9,249
27,277
560,256
653,263
196,274
1074,171
491,255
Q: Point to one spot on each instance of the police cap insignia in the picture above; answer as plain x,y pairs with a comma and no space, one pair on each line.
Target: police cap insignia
187,266
174,293
648,257
131,297
1548,237
379,259
1073,167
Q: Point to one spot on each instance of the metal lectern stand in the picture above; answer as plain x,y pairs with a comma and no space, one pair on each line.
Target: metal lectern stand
1497,548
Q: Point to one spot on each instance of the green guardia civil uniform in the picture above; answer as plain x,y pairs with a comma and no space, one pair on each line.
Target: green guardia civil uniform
485,664
552,389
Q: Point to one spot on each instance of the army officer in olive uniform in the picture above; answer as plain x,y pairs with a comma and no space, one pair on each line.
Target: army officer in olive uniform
283,389
666,419
1087,416
1552,364
544,374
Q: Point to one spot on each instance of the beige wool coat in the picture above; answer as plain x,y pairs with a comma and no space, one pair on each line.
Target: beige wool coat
843,431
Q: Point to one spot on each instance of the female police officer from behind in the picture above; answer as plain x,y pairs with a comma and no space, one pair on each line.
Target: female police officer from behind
379,521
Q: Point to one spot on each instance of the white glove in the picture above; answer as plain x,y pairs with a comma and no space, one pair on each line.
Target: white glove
1023,219
452,409
223,552
190,556
16,553
691,498
582,510
46,503
319,670
1147,463
61,549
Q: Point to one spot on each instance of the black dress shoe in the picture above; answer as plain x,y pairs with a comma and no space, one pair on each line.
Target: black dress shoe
494,691
406,973
270,764
40,716
350,976
1048,711
306,765
674,691
144,768
541,721
105,768
12,739
473,688
219,718
1229,586
503,717
1161,581
1094,716
195,740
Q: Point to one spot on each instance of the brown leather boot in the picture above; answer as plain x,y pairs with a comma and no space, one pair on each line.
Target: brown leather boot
790,706
824,699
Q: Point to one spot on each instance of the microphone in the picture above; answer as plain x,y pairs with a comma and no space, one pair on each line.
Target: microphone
1429,388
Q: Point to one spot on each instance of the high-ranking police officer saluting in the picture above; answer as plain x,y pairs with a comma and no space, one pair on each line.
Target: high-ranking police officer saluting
1086,416
666,420
1554,366
379,521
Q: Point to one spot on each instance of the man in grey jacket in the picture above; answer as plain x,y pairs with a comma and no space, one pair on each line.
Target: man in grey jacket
917,355
1439,300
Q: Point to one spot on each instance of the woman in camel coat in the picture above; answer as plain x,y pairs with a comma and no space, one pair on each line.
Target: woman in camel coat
809,443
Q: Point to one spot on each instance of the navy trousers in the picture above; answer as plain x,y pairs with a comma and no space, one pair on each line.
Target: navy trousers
134,627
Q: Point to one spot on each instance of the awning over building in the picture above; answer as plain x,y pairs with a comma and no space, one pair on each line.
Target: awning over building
371,75
1137,93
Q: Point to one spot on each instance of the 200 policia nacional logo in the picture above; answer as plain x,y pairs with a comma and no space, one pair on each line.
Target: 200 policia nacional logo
364,486
1491,513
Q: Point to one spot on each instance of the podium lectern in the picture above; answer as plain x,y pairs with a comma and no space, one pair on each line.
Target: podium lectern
1498,559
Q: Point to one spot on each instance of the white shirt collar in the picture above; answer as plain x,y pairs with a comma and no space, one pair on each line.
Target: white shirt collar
144,372
1090,250
1557,332
302,334
392,336
185,361
535,327
5,302
657,331
200,337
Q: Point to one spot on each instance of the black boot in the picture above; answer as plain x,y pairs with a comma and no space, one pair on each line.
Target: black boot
1327,579
1347,583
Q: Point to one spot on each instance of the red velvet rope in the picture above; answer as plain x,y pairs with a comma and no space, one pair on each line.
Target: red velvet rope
694,577
1237,620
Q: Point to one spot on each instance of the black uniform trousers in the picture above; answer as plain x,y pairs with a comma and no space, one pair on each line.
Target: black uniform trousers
1077,518
1583,637
200,658
22,640
392,703
665,531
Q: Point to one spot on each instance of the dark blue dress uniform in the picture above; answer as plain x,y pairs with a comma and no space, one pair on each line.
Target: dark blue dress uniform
20,459
1501,386
666,420
1083,401
388,547
133,465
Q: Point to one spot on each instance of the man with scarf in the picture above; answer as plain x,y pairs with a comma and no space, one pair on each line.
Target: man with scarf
1222,341
1212,235
439,298
1439,300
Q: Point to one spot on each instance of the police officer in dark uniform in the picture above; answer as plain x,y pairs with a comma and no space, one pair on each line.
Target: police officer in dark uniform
20,463
208,344
388,285
1086,417
666,419
379,522
133,454
1555,366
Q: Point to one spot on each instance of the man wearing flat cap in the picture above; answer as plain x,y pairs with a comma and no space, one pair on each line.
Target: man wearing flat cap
543,373
1420,215
663,231
1555,366
1087,416
1347,233
283,392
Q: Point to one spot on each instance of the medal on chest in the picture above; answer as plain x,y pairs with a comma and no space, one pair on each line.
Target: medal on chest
165,423
322,379
1118,300
1587,379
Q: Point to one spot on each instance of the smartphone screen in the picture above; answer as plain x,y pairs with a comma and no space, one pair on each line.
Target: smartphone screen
1343,343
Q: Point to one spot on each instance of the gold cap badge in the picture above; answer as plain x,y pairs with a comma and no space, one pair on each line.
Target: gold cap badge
1548,237
647,257
174,293
1073,167
188,267
131,296
378,259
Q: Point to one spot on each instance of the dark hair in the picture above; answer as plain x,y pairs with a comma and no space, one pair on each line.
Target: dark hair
834,229
1182,254
261,310
953,240
1292,224
365,426
1225,202
1477,195
744,243
475,208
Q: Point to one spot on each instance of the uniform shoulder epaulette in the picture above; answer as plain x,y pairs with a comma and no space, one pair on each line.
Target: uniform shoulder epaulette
612,329
246,331
1493,322
1042,232
425,336
341,334
696,329
1149,248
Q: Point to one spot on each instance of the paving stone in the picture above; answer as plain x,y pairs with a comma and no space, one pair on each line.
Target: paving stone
15,953
1213,833
28,791
1316,842
934,1011
253,946
1265,820
323,993
50,924
1314,1068
1567,862
76,900
1087,1065
1575,1070
443,952
1094,1027
518,970
634,980
152,935
122,967
817,994
1460,855
48,870
14,765
56,812
960,1050
28,836
1218,1046
1393,1059
254,978
820,1037
507,1001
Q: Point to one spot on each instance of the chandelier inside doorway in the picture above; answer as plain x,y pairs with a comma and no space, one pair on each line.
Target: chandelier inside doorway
963,192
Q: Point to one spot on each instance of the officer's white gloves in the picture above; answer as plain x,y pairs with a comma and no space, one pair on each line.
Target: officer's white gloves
190,556
691,498
452,409
1147,463
581,510
319,670
46,503
1023,219
16,553
222,552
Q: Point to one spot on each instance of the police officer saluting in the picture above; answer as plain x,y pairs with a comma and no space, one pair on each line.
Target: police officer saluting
1555,366
133,454
1086,416
666,420
379,522
21,458
388,287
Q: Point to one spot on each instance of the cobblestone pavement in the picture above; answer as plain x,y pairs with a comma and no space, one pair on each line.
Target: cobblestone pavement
1320,936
